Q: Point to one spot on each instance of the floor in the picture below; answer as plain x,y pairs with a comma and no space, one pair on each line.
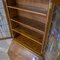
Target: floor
4,56
4,46
19,52
11,50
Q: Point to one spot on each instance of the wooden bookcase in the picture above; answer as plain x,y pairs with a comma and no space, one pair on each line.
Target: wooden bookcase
30,22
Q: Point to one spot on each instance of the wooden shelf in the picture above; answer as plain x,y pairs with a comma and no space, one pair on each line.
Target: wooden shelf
30,22
40,6
20,15
29,11
37,7
29,34
29,27
33,46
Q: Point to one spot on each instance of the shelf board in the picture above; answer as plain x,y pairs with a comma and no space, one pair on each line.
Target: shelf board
37,7
25,18
30,22
30,35
29,27
33,46
29,11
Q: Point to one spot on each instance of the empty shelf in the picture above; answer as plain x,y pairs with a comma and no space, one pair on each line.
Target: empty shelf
29,11
37,7
30,22
29,27
29,34
20,15
33,46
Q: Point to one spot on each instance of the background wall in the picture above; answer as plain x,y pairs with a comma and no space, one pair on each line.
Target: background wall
4,28
4,32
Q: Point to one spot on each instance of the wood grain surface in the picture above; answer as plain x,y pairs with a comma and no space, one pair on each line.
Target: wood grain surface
19,52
